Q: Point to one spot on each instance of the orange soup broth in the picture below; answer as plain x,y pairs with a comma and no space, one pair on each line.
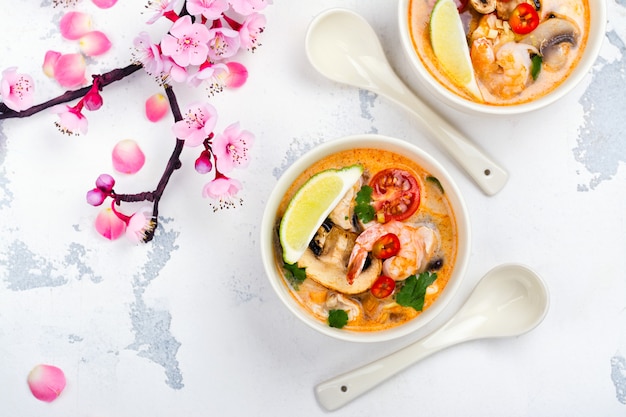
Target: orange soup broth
434,210
547,81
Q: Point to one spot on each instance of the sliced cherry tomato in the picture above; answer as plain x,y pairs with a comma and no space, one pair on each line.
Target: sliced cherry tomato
524,19
383,287
395,194
386,246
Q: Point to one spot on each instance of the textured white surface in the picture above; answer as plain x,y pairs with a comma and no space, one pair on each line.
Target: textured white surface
188,325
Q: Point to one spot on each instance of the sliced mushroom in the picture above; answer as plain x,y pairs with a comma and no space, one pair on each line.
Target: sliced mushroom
484,6
329,265
504,8
554,38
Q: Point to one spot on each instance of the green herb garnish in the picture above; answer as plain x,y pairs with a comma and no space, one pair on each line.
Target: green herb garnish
535,68
294,275
337,318
436,182
364,209
414,290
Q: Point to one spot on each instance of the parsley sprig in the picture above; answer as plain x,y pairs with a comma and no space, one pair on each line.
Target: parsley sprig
363,208
294,275
414,290
337,318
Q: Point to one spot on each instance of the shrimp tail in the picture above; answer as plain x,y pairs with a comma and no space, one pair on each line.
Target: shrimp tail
355,264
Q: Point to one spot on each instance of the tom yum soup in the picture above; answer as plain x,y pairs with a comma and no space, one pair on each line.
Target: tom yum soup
380,254
519,50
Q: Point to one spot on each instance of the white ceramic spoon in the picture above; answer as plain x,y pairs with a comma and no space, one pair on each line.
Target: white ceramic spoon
342,46
510,300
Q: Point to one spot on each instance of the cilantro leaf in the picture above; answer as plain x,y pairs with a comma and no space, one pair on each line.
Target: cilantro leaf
363,209
337,318
294,275
414,290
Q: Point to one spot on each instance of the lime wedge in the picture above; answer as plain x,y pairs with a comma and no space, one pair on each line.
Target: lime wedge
310,206
447,38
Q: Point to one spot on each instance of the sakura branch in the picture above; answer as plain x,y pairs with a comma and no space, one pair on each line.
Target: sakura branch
198,50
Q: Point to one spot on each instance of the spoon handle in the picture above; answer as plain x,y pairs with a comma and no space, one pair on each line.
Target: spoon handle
339,391
489,176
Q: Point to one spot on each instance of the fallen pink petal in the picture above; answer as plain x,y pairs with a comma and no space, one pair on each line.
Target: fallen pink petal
49,61
104,4
109,225
237,75
69,70
94,43
74,25
128,158
157,107
46,382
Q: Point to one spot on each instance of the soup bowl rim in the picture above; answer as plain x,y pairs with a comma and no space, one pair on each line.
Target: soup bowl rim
597,27
365,141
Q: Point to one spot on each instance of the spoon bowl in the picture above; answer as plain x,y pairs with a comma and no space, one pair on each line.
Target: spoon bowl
509,300
343,47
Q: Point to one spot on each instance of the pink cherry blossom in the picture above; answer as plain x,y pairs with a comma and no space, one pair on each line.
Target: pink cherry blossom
250,30
224,190
198,123
231,148
223,43
246,7
157,107
140,224
127,156
210,9
174,71
187,42
73,25
16,90
104,4
206,72
148,54
161,8
94,43
46,382
69,70
49,62
109,225
71,120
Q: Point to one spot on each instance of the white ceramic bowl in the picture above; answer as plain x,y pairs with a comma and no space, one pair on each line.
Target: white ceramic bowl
269,223
594,42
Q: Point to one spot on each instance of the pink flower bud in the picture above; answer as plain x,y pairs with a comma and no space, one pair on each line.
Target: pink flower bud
203,163
96,197
109,225
105,182
46,382
156,107
128,158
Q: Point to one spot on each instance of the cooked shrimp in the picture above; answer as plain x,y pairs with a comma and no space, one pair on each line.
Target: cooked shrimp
417,245
505,71
500,63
